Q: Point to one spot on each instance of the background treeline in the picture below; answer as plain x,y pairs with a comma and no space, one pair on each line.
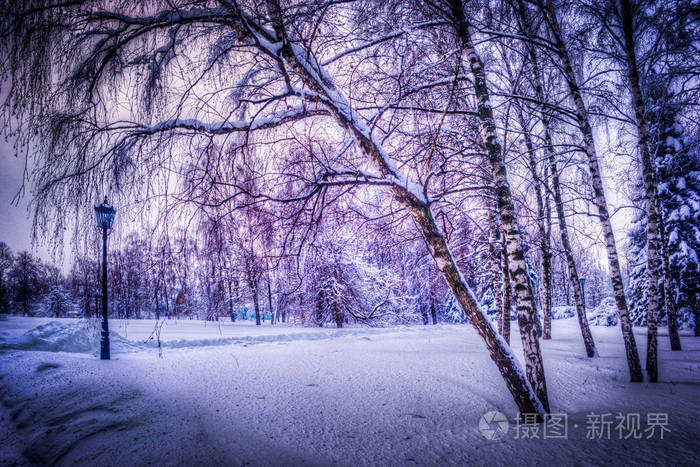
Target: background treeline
199,276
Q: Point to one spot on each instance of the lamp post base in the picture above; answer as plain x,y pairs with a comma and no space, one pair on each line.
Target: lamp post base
104,346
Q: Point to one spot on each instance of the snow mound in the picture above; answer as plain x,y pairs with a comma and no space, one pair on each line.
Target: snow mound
84,336
605,314
563,312
75,337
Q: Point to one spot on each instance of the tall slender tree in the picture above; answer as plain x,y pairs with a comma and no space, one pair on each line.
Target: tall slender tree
584,124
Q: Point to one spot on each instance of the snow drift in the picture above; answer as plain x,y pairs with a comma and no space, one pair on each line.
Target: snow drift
72,336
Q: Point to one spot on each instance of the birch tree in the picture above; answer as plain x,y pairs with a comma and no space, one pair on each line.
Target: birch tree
661,33
583,121
270,62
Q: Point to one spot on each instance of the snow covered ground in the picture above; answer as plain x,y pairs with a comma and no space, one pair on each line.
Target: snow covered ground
235,393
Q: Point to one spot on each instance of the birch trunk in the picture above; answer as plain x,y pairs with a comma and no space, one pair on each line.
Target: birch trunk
650,192
230,302
525,395
269,299
507,294
256,304
545,250
547,334
556,191
254,292
568,254
495,255
598,192
524,299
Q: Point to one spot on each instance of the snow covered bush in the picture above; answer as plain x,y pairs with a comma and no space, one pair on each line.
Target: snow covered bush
605,314
563,312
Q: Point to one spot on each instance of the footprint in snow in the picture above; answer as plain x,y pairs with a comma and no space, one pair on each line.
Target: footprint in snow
47,366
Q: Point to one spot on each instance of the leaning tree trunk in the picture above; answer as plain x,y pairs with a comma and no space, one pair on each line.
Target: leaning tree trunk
651,196
545,250
526,397
556,189
558,203
584,125
568,254
525,303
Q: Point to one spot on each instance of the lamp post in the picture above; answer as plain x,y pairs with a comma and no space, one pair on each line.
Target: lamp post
105,216
582,281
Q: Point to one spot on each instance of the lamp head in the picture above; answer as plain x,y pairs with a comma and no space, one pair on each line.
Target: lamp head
105,213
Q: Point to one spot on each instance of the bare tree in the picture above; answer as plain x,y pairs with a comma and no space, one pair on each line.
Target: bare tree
583,121
278,80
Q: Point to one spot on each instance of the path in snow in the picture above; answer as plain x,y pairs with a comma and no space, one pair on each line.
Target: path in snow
357,396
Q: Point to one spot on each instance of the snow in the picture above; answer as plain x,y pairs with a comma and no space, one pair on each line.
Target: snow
83,336
223,127
397,395
674,143
684,211
563,312
605,314
66,336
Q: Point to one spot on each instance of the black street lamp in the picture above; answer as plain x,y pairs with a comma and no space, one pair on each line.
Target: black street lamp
105,216
582,281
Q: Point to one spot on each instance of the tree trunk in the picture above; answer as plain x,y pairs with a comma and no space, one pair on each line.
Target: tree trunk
230,303
495,255
301,309
568,254
520,388
257,306
556,189
526,396
339,317
157,304
507,295
319,312
599,194
269,300
669,301
424,314
433,312
525,303
547,273
545,251
645,154
253,283
278,313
